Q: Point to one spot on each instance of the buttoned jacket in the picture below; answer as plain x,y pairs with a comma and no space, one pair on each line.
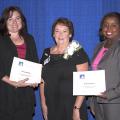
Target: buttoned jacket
111,64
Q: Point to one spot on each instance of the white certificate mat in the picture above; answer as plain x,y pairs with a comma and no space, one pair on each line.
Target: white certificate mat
89,82
22,69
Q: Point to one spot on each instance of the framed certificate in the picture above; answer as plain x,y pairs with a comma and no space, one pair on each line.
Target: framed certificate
22,69
89,82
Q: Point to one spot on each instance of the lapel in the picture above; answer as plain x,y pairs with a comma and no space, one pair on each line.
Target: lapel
97,49
108,55
10,45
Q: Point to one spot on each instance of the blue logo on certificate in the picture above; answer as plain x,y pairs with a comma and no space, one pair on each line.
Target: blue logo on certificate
20,63
82,76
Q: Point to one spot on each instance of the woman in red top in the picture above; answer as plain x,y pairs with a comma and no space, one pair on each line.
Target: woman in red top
16,98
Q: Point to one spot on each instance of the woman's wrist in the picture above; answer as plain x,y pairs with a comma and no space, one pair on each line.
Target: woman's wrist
12,83
76,107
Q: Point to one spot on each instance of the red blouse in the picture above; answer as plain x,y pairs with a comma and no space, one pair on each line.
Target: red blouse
21,49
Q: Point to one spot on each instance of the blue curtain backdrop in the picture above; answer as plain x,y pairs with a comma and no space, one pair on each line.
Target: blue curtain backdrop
85,14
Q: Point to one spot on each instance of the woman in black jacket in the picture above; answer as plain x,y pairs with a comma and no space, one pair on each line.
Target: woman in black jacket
16,98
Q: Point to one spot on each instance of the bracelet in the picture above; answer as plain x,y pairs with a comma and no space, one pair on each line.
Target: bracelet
75,107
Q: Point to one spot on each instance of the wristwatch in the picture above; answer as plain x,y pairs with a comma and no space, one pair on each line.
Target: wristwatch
75,107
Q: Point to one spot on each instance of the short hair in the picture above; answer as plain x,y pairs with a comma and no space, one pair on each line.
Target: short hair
66,22
108,15
6,14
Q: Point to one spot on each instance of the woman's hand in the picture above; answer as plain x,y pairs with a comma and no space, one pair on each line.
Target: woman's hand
15,84
76,114
20,83
45,111
34,85
102,95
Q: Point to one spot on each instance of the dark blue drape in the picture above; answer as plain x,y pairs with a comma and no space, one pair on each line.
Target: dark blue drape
85,14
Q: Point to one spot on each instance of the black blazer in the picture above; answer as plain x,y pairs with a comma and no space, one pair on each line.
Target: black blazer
10,97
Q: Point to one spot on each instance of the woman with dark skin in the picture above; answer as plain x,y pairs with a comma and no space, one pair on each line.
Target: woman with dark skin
16,98
107,57
57,100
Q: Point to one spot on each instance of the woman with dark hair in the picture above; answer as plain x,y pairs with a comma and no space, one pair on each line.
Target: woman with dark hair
6,14
59,62
106,106
17,99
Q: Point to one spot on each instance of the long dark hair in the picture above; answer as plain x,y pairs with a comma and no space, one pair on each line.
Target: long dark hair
6,14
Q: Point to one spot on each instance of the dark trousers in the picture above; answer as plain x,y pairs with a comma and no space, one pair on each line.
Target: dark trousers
18,115
107,111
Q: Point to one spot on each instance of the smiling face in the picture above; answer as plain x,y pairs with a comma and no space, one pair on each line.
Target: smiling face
14,22
61,34
111,28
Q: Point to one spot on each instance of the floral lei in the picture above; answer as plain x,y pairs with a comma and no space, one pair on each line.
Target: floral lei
71,49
